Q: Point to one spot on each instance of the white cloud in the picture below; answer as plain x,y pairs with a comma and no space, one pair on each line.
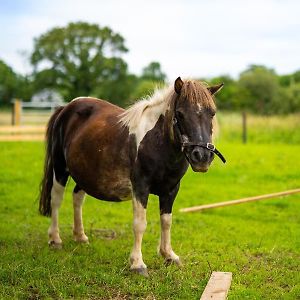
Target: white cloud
189,38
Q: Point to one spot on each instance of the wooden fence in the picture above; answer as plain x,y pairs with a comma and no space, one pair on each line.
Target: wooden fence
22,133
26,126
37,120
29,113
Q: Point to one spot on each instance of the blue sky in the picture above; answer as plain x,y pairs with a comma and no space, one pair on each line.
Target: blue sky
189,38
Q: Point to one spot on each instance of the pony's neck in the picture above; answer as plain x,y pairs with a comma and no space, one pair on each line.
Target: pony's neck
144,115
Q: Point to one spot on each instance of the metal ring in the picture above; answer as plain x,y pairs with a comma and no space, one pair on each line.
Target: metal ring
210,146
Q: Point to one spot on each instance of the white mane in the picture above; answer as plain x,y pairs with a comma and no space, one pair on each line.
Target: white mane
143,115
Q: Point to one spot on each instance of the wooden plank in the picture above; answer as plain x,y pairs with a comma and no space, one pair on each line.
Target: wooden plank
239,201
217,286
22,137
20,129
48,104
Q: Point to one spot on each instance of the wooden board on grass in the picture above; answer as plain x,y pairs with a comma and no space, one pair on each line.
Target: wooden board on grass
217,286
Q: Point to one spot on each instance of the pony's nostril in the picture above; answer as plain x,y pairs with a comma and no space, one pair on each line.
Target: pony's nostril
196,155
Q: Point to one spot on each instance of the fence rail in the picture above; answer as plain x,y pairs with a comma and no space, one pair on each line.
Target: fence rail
22,111
22,129
22,133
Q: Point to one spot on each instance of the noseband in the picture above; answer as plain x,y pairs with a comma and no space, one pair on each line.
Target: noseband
209,146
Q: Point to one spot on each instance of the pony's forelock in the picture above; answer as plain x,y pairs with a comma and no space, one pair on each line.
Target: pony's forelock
197,92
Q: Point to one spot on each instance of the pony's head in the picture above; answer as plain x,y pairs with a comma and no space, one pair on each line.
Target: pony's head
194,112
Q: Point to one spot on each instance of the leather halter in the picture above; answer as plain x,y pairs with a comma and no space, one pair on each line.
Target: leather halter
209,146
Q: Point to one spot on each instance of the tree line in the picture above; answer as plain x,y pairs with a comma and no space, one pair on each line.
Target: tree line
83,59
260,90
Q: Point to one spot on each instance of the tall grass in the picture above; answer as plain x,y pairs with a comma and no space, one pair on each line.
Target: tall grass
260,129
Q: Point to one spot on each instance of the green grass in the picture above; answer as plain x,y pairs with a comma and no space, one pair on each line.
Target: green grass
259,242
260,129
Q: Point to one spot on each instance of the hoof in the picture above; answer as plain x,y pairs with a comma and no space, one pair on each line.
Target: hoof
82,240
141,271
170,261
178,262
54,245
80,237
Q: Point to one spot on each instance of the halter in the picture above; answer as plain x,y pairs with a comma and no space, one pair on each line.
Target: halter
209,146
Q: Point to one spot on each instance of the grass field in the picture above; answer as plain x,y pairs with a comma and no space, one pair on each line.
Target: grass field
260,129
258,242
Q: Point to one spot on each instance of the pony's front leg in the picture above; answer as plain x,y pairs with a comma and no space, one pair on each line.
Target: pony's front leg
165,248
139,227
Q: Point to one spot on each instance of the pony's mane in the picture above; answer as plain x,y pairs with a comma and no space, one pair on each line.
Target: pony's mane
159,102
192,90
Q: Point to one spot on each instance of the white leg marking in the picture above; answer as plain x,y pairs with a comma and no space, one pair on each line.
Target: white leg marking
78,231
139,227
57,193
165,248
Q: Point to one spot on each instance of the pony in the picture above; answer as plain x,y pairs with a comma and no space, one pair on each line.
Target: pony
116,155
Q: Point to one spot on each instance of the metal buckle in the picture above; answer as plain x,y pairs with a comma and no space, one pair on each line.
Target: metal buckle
210,146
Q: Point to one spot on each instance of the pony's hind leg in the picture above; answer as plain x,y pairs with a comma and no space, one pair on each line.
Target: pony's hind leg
57,193
78,231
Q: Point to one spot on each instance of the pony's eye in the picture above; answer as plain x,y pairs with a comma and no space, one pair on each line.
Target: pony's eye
179,115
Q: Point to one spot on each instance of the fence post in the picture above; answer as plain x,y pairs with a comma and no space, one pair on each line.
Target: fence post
244,116
17,110
13,113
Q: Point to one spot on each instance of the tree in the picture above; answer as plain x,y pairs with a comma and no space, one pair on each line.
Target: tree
289,79
286,80
79,60
260,88
290,99
13,85
230,96
152,77
8,83
153,72
144,88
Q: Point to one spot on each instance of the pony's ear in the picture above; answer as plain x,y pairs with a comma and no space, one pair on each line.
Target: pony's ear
215,88
178,85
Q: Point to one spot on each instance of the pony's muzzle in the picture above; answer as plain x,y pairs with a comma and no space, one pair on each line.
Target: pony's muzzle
200,159
199,154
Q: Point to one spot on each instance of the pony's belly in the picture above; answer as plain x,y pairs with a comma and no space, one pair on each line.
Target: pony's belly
107,185
111,190
121,189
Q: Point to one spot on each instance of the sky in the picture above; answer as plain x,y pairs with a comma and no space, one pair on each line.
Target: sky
189,38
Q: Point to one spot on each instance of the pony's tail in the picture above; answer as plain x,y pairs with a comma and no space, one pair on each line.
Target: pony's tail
47,181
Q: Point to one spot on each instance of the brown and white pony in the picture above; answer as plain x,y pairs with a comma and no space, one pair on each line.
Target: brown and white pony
114,155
